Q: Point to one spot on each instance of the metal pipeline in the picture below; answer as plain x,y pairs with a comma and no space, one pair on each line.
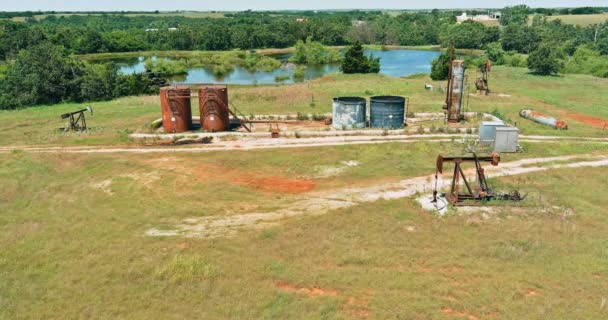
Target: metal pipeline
543,119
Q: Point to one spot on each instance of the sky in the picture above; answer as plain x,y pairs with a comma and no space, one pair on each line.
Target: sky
237,5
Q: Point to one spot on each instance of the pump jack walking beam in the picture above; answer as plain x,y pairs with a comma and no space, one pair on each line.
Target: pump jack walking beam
482,191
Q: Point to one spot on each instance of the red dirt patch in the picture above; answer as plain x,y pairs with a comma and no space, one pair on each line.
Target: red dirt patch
327,78
450,311
356,307
183,245
593,121
531,293
590,120
311,292
276,183
212,172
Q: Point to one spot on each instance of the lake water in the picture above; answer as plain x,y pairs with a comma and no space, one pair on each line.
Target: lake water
393,63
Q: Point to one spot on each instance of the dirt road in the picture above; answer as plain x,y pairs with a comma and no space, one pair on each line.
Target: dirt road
268,143
324,202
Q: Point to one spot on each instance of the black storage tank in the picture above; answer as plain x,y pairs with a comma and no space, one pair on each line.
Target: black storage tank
387,112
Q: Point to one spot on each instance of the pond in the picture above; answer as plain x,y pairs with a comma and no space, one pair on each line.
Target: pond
393,63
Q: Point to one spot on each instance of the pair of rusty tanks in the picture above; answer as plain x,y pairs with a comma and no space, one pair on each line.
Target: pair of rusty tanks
213,107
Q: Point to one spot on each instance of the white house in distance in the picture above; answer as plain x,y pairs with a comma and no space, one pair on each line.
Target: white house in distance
495,16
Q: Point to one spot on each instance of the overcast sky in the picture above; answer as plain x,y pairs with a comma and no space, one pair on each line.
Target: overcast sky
230,5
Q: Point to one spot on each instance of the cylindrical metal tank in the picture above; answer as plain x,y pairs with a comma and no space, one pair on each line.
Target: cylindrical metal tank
456,92
175,107
349,113
213,106
387,112
541,118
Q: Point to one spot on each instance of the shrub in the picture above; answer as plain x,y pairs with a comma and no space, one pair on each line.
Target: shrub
281,78
545,59
299,74
302,116
440,67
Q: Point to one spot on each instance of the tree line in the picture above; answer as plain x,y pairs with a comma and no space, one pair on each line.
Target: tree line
40,67
82,34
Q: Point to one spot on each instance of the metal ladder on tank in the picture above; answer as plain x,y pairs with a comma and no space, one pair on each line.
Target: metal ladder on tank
240,117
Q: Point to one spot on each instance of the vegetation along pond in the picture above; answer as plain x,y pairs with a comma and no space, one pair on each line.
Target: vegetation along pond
394,63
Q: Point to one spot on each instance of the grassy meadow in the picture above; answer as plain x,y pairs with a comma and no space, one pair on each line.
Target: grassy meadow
514,89
74,245
581,19
72,226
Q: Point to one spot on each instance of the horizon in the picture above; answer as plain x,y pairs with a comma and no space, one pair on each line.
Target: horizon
277,5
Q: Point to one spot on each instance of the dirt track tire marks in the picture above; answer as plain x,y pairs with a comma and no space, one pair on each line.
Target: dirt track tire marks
324,202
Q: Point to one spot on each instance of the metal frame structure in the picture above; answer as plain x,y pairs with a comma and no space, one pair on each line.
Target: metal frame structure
454,112
78,123
480,192
482,78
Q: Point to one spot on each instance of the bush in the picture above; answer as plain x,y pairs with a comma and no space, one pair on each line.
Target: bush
166,67
281,78
440,67
314,53
587,60
545,59
495,53
299,74
255,62
513,59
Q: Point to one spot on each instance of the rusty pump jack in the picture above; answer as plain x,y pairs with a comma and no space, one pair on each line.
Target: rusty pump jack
480,192
77,119
482,78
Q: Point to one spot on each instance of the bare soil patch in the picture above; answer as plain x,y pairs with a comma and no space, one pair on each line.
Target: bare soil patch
311,292
593,121
212,172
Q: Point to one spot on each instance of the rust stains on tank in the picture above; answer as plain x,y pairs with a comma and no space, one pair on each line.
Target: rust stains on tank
176,108
213,106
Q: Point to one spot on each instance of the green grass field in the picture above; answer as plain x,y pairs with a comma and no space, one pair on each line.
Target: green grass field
582,19
73,250
72,226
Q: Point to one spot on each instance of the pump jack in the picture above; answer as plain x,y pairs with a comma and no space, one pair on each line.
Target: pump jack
472,196
482,78
77,119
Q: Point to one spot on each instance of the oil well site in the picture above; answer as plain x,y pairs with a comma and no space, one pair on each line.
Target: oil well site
341,174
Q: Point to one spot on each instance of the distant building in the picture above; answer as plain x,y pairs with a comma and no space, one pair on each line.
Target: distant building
301,20
151,30
495,16
172,29
357,23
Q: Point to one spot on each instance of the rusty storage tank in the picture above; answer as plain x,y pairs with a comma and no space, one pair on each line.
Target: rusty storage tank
175,106
349,113
213,106
387,112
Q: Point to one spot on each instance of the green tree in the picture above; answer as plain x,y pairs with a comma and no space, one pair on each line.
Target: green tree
355,61
440,67
43,74
545,59
515,15
495,52
313,52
